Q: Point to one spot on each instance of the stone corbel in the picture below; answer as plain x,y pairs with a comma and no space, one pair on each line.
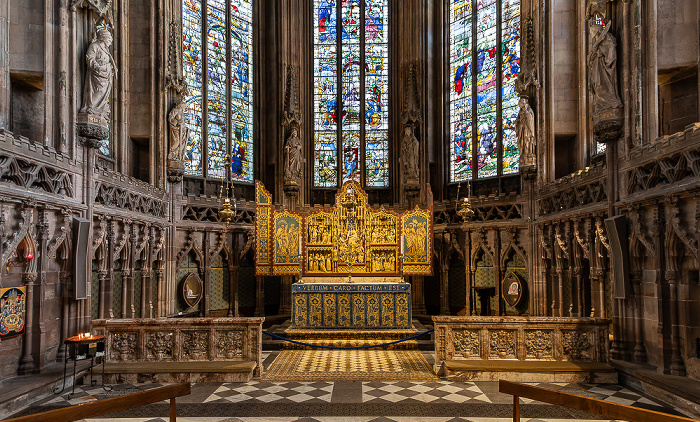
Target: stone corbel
103,8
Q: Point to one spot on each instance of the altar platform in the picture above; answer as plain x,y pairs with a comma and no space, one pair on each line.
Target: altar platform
380,305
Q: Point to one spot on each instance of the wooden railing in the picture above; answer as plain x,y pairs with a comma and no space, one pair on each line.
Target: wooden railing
114,404
573,401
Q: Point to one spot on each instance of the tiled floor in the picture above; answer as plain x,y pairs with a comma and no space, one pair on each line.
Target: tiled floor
345,401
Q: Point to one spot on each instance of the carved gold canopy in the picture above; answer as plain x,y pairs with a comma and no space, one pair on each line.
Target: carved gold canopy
349,237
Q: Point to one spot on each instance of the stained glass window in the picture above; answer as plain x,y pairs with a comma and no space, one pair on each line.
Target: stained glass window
351,92
217,56
484,63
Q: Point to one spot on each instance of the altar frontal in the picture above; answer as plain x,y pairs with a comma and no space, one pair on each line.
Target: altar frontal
349,244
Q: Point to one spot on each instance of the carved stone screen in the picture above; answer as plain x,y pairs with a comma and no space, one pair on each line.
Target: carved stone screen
218,70
351,92
484,64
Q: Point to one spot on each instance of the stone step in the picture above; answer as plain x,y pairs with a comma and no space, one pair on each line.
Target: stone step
404,345
527,371
349,334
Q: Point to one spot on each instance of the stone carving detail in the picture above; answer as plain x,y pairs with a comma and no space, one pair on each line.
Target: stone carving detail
538,344
29,174
126,199
293,158
195,213
409,155
466,343
195,345
179,132
123,347
499,212
525,128
229,344
662,171
576,345
502,344
159,345
587,193
602,67
99,76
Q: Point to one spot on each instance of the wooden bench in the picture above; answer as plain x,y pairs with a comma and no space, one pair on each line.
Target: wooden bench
114,404
159,372
601,407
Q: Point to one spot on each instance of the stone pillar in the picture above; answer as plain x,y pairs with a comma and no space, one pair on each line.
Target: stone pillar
63,77
42,251
259,296
5,99
26,365
66,317
127,281
444,294
640,354
418,295
677,364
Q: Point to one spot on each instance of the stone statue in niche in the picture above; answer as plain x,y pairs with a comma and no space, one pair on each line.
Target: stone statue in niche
409,154
602,66
525,130
99,76
179,132
293,159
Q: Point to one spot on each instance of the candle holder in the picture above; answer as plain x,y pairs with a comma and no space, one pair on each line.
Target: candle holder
465,210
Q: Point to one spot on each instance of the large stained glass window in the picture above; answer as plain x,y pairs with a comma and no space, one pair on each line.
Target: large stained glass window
484,63
351,92
218,68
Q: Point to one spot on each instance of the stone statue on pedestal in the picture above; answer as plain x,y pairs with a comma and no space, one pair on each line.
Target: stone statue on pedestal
100,74
525,130
409,154
602,65
293,158
179,132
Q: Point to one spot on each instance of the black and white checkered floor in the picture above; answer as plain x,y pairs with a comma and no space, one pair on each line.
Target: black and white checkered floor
345,401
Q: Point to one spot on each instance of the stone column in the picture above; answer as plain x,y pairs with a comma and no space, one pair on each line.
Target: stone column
26,365
66,318
640,353
42,251
64,79
5,99
444,286
677,364
259,296
418,295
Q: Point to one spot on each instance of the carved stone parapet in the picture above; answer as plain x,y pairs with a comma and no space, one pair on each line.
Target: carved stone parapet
183,340
521,338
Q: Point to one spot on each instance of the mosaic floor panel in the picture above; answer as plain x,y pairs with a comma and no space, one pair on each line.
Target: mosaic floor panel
349,365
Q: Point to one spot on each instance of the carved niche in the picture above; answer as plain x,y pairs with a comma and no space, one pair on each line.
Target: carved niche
229,344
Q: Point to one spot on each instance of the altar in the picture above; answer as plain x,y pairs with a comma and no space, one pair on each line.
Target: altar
350,259
380,305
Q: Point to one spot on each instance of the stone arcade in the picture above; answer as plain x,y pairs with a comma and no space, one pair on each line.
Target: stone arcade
522,176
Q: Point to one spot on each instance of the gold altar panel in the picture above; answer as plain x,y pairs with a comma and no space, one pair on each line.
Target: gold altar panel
373,310
344,310
358,311
416,242
402,311
349,237
315,306
288,243
262,230
301,310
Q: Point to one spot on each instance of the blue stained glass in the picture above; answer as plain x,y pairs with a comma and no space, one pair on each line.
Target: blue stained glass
342,109
480,17
229,87
192,70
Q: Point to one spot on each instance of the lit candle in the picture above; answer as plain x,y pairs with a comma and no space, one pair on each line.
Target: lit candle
401,240
227,200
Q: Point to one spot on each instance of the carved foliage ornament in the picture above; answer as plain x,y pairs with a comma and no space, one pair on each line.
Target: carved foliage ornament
159,345
576,345
466,342
538,344
502,344
195,345
123,347
229,344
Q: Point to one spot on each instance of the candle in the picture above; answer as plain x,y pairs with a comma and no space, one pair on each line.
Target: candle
401,240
